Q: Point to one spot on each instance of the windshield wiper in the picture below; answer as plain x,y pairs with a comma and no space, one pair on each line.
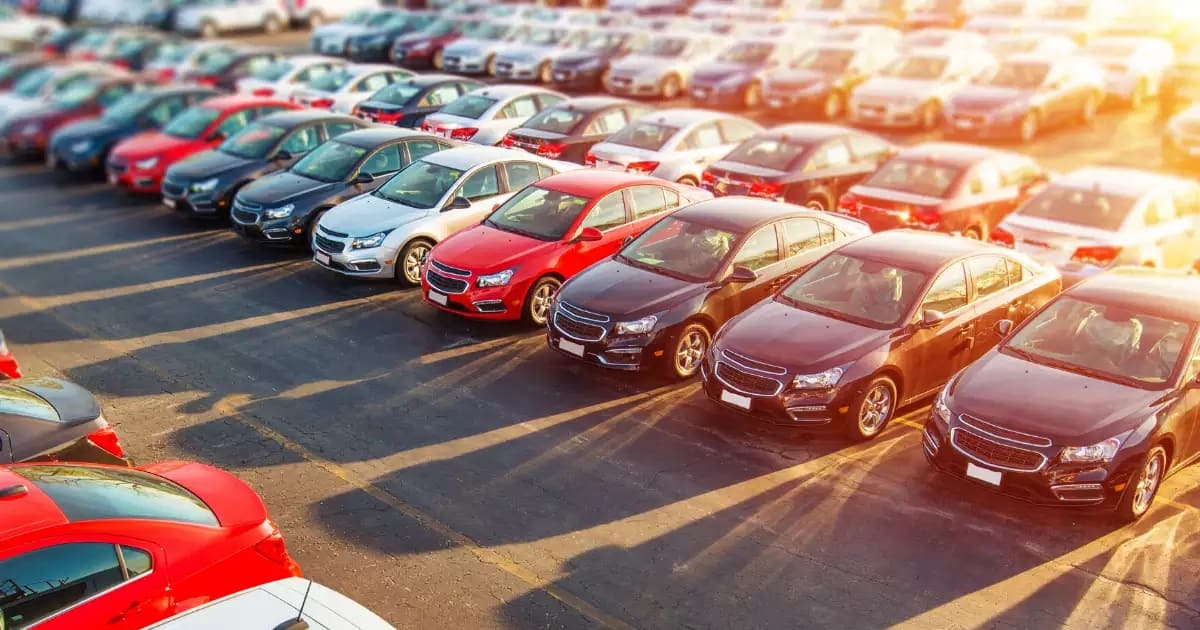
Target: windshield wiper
1075,368
508,228
670,273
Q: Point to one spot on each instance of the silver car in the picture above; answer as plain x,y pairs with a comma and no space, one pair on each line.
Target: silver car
283,77
485,115
1004,45
662,65
33,91
387,233
477,55
213,18
344,87
673,144
1133,66
531,60
333,38
1099,217
911,91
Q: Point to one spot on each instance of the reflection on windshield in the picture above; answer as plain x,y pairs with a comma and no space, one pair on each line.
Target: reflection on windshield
644,135
330,162
217,61
255,141
538,213
825,60
469,106
420,185
916,177
274,71
665,47
191,123
1105,341
332,81
680,248
32,83
768,153
1080,206
1020,75
917,67
862,291
129,107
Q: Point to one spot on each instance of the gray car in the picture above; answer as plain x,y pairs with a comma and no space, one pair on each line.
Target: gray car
47,419
662,65
531,61
477,55
913,89
387,233
486,115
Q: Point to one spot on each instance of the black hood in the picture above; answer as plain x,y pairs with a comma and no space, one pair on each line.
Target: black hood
538,134
614,288
802,341
211,164
282,187
101,131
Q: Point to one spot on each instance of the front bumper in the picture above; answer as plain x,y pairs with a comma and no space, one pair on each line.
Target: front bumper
807,101
717,95
884,115
334,253
61,156
629,353
251,225
784,406
125,177
413,58
176,196
465,64
516,70
633,86
460,296
576,80
981,126
20,143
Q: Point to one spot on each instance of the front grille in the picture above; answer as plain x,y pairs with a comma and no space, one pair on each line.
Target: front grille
982,426
747,382
447,269
444,283
172,189
751,364
578,323
329,245
450,62
246,217
246,205
332,233
995,453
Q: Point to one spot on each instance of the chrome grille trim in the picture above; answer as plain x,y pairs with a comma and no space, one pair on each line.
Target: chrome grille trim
329,232
961,449
583,314
732,366
329,246
577,330
752,365
999,432
446,284
447,269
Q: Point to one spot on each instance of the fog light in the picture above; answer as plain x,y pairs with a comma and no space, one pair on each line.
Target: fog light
1079,492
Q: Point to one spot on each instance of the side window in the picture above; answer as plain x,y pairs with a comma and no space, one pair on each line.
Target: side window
673,198
948,292
45,581
736,130
254,65
828,234
310,73
760,250
834,154
1016,273
985,180
608,122
523,107
706,136
481,185
1159,211
385,160
440,95
234,123
113,94
335,129
801,235
990,274
544,171
867,148
418,149
521,174
546,100
647,201
302,140
137,562
165,110
373,83
608,213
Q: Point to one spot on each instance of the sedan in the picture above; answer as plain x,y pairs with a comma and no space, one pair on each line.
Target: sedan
569,129
1109,382
331,39
476,54
587,68
34,91
223,67
877,324
13,69
944,39
485,115
962,189
911,91
1133,66
530,60
387,234
510,266
1005,45
129,547
177,62
205,184
1099,217
821,79
657,303
48,419
423,49
808,164
1180,85
342,88
283,207
673,144
29,134
733,78
1181,138
283,77
373,43
662,65
407,102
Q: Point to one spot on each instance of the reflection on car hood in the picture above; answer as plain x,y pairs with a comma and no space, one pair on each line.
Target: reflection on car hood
813,342
795,78
208,164
615,288
634,65
892,87
367,214
484,249
282,187
988,96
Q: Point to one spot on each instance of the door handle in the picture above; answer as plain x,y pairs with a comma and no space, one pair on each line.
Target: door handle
129,610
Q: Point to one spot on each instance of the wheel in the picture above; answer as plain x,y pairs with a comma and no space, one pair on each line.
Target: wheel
689,351
537,301
316,18
1091,105
272,24
671,87
834,105
544,73
490,66
871,410
687,180
929,114
1143,486
1029,127
411,259
974,233
209,30
752,99
437,59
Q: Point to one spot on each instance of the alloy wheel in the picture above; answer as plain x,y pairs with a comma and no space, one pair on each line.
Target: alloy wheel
540,302
1147,485
414,259
1029,127
1089,108
876,409
753,96
689,353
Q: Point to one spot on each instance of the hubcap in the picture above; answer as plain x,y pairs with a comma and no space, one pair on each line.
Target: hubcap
1143,494
690,353
876,407
541,302
833,106
414,261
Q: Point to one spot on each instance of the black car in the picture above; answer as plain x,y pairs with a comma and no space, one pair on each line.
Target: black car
407,102
224,67
810,164
568,130
659,301
584,70
282,207
48,419
84,145
373,42
204,184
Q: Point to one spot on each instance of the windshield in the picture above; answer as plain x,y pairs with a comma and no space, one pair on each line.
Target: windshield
1080,206
747,52
332,81
1065,12
254,142
75,94
917,177
86,493
538,213
274,71
1105,341
1020,74
129,107
172,53
555,120
19,401
681,249
397,93
32,83
857,290
191,123
486,31
330,162
825,60
545,36
772,153
1012,45
420,185
379,19
663,47
600,41
439,27
469,106
917,67
217,61
644,135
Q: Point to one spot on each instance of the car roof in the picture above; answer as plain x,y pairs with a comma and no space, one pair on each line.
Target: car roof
504,91
357,69
297,116
951,153
238,101
374,136
809,132
743,214
434,79
681,117
1029,58
172,90
590,103
1174,295
592,183
28,511
310,59
267,605
1125,182
467,157
919,250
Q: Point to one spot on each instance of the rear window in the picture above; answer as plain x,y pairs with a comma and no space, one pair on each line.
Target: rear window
768,153
22,402
644,135
1080,206
469,106
86,493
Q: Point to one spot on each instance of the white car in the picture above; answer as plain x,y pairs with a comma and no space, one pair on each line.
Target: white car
1005,16
863,35
912,90
342,88
37,88
212,18
824,12
272,605
942,39
282,78
318,12
25,29
531,60
673,144
486,115
1133,66
387,233
1004,45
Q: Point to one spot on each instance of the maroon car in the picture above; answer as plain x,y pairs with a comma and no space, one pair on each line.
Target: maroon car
880,322
945,187
422,50
1095,400
30,133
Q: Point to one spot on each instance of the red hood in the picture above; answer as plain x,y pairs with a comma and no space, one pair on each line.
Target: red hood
485,250
155,143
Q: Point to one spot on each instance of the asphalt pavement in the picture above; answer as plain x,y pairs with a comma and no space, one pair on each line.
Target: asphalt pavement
451,474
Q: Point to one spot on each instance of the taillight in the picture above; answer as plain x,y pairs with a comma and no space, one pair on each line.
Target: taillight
848,205
88,56
264,91
50,49
552,151
1099,255
321,103
589,160
166,74
425,126
273,549
708,179
507,141
926,218
769,190
1002,237
207,81
106,439
644,168
122,64
463,133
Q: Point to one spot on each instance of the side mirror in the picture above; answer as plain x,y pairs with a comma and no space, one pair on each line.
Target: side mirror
932,318
283,155
1003,327
458,203
216,136
742,275
364,178
588,234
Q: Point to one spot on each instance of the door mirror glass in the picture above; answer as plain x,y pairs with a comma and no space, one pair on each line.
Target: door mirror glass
458,203
364,178
1003,327
283,155
589,234
216,136
742,275
932,318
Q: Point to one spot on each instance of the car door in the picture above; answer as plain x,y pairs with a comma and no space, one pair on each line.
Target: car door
761,253
698,149
805,241
832,167
611,216
482,189
1164,240
1187,411
935,352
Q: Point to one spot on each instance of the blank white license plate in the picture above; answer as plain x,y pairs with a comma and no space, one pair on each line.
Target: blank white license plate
734,399
437,298
983,474
774,102
170,203
322,258
570,347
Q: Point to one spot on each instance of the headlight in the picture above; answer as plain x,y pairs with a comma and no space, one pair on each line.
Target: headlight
146,164
820,380
205,186
1094,454
282,212
941,410
368,242
496,279
83,146
637,327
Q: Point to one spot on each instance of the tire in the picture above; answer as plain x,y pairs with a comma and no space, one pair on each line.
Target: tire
818,202
1091,105
688,352
671,87
537,301
209,30
436,60
834,105
1143,486
272,24
753,98
490,66
1028,129
871,410
544,74
408,263
929,116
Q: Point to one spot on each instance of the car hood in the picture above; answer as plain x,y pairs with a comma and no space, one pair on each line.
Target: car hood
367,214
279,188
473,47
642,64
151,143
209,163
484,249
721,71
528,51
617,289
1049,402
988,97
73,403
796,78
90,128
538,133
814,342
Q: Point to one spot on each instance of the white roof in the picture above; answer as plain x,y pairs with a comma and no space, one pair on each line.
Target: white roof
470,156
505,91
265,607
682,116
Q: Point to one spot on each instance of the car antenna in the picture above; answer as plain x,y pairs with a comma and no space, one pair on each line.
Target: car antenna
298,623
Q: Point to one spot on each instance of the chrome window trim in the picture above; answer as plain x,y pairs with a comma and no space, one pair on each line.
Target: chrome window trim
953,442
732,357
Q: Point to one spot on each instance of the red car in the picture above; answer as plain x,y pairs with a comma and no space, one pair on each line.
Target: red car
8,363
947,187
122,548
30,134
138,164
510,266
